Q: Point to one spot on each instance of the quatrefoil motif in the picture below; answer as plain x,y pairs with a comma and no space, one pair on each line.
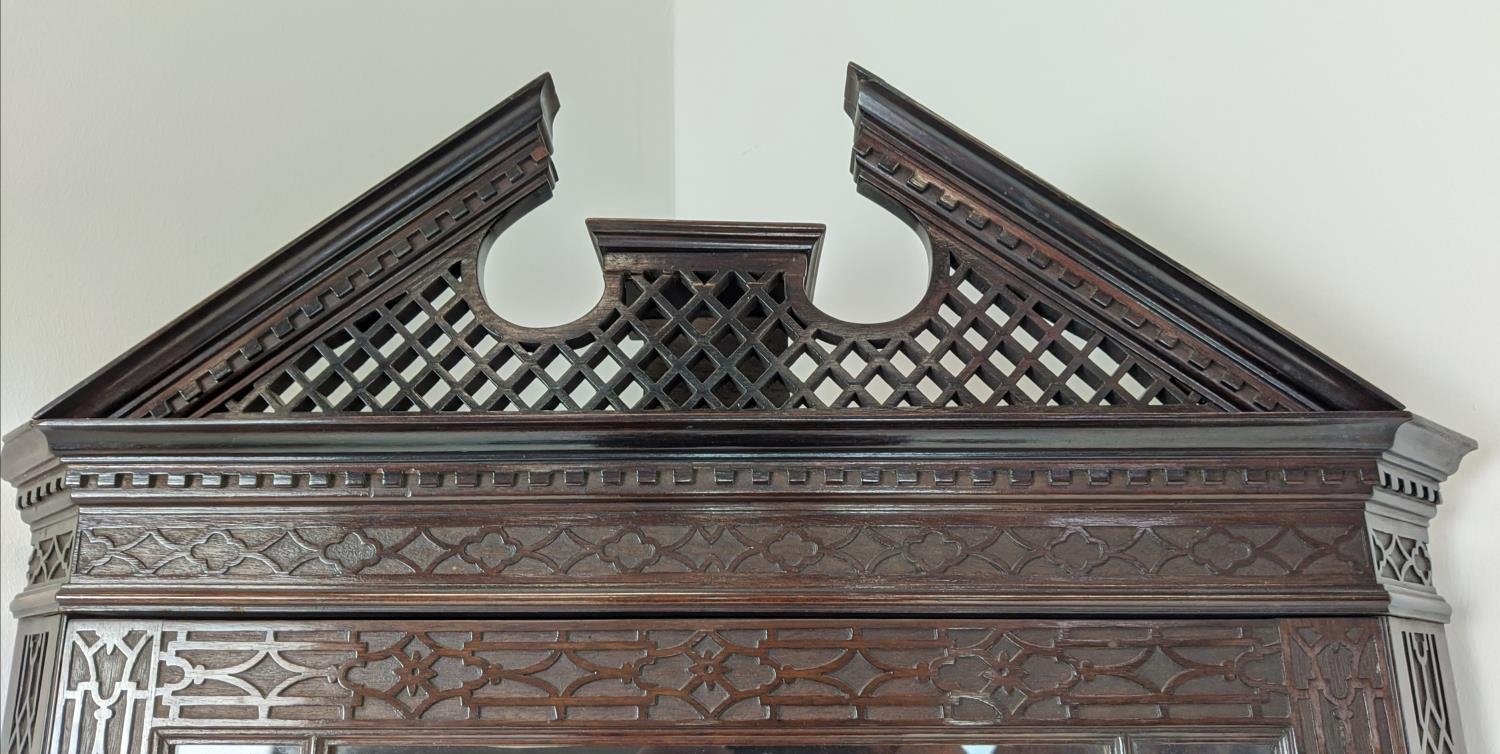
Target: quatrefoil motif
353,552
629,551
792,551
493,550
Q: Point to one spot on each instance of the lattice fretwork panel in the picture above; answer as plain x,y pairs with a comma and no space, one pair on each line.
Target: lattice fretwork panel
1432,731
685,339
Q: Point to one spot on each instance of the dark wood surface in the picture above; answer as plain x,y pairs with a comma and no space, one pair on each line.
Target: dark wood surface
1078,500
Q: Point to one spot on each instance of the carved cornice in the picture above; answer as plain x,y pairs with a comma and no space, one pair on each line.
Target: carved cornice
1062,308
1143,274
504,156
439,228
1068,424
695,477
33,494
920,188
1053,434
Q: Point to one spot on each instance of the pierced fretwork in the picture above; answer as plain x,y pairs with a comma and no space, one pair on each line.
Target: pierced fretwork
685,339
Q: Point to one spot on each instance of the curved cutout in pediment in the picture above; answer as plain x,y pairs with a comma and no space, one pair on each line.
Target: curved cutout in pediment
717,316
539,274
875,269
1032,301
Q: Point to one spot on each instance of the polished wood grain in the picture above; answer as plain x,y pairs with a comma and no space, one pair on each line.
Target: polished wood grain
1078,500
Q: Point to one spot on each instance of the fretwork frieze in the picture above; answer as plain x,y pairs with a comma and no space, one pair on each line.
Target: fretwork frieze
1076,500
955,548
668,673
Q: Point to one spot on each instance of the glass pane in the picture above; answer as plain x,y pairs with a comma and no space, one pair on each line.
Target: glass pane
1257,742
1030,747
236,749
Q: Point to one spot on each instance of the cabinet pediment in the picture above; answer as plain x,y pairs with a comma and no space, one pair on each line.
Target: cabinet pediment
1077,499
1034,302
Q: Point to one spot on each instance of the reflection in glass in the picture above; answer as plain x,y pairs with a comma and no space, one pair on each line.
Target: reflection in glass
1257,743
1037,748
1244,742
236,749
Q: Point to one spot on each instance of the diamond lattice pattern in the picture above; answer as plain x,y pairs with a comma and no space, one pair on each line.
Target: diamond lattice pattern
718,339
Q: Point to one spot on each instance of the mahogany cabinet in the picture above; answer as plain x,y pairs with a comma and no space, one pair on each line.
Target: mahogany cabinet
1078,500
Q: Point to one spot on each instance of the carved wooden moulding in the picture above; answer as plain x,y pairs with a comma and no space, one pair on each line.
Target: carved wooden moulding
1077,500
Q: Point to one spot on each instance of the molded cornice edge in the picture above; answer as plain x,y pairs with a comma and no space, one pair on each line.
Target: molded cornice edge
175,352
1048,434
1124,260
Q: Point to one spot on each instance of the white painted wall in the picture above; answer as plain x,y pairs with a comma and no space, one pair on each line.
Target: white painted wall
165,148
154,151
1335,166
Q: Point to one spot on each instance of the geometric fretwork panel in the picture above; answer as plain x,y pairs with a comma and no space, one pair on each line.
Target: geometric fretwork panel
1433,733
1340,683
720,339
21,723
1431,722
620,545
521,675
1401,559
107,674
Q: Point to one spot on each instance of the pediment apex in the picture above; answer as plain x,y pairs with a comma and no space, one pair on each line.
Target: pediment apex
1035,302
624,235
